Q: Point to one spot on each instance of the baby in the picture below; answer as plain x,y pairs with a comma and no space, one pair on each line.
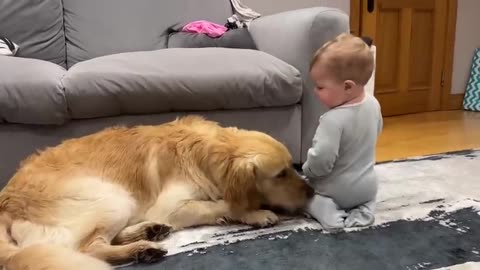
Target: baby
340,163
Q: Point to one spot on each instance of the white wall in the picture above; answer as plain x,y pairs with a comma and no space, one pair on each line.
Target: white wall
466,40
266,7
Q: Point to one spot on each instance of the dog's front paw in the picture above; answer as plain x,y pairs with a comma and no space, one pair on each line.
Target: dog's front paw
157,232
260,218
150,255
223,221
148,252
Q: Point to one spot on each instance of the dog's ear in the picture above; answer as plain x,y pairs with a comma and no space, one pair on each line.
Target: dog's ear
241,189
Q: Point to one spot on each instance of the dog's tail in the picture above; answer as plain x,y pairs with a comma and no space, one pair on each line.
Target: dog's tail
42,256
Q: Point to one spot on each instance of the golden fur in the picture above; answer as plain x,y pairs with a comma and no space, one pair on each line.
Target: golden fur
113,194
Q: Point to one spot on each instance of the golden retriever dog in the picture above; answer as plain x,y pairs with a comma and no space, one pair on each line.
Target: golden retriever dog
113,195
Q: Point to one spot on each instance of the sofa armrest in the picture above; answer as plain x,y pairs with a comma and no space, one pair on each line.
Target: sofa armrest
294,36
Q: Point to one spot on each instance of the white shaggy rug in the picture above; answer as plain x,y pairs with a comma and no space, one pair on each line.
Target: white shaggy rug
452,179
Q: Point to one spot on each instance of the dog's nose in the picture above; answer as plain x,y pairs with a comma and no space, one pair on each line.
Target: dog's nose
310,191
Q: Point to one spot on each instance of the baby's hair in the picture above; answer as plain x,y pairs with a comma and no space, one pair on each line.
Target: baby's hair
347,57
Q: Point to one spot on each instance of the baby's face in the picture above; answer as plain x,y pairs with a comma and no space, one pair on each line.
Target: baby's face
327,89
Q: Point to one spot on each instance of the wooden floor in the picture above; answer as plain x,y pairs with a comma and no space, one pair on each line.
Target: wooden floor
428,133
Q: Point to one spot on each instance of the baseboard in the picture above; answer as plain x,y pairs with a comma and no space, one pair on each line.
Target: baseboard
455,102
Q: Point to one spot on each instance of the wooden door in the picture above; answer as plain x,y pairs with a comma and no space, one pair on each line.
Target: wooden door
410,36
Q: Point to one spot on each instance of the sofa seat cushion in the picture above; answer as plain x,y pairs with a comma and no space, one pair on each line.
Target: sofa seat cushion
31,92
180,79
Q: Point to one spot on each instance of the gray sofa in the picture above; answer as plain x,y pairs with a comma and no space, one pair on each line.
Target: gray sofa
90,64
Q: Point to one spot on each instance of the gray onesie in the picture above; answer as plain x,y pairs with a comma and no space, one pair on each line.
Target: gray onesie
340,165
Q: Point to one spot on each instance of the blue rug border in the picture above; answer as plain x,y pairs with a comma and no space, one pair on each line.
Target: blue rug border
248,254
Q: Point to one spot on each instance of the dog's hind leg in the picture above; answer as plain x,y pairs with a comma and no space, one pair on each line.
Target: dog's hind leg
95,218
135,252
146,230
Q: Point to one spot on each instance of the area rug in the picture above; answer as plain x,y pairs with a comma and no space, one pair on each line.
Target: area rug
428,217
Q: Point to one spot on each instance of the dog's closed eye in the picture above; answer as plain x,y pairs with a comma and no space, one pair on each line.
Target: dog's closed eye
282,174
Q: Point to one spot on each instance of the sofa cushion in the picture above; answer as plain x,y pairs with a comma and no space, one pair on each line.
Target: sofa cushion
101,27
31,91
180,80
36,26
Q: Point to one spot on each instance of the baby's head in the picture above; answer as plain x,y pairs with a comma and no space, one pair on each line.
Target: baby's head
340,69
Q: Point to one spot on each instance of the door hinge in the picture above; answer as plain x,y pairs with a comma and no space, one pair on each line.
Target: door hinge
442,82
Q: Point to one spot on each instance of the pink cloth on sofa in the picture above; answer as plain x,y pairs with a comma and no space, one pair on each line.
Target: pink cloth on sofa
205,27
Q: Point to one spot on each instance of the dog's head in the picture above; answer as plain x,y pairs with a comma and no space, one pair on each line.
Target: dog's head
262,174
